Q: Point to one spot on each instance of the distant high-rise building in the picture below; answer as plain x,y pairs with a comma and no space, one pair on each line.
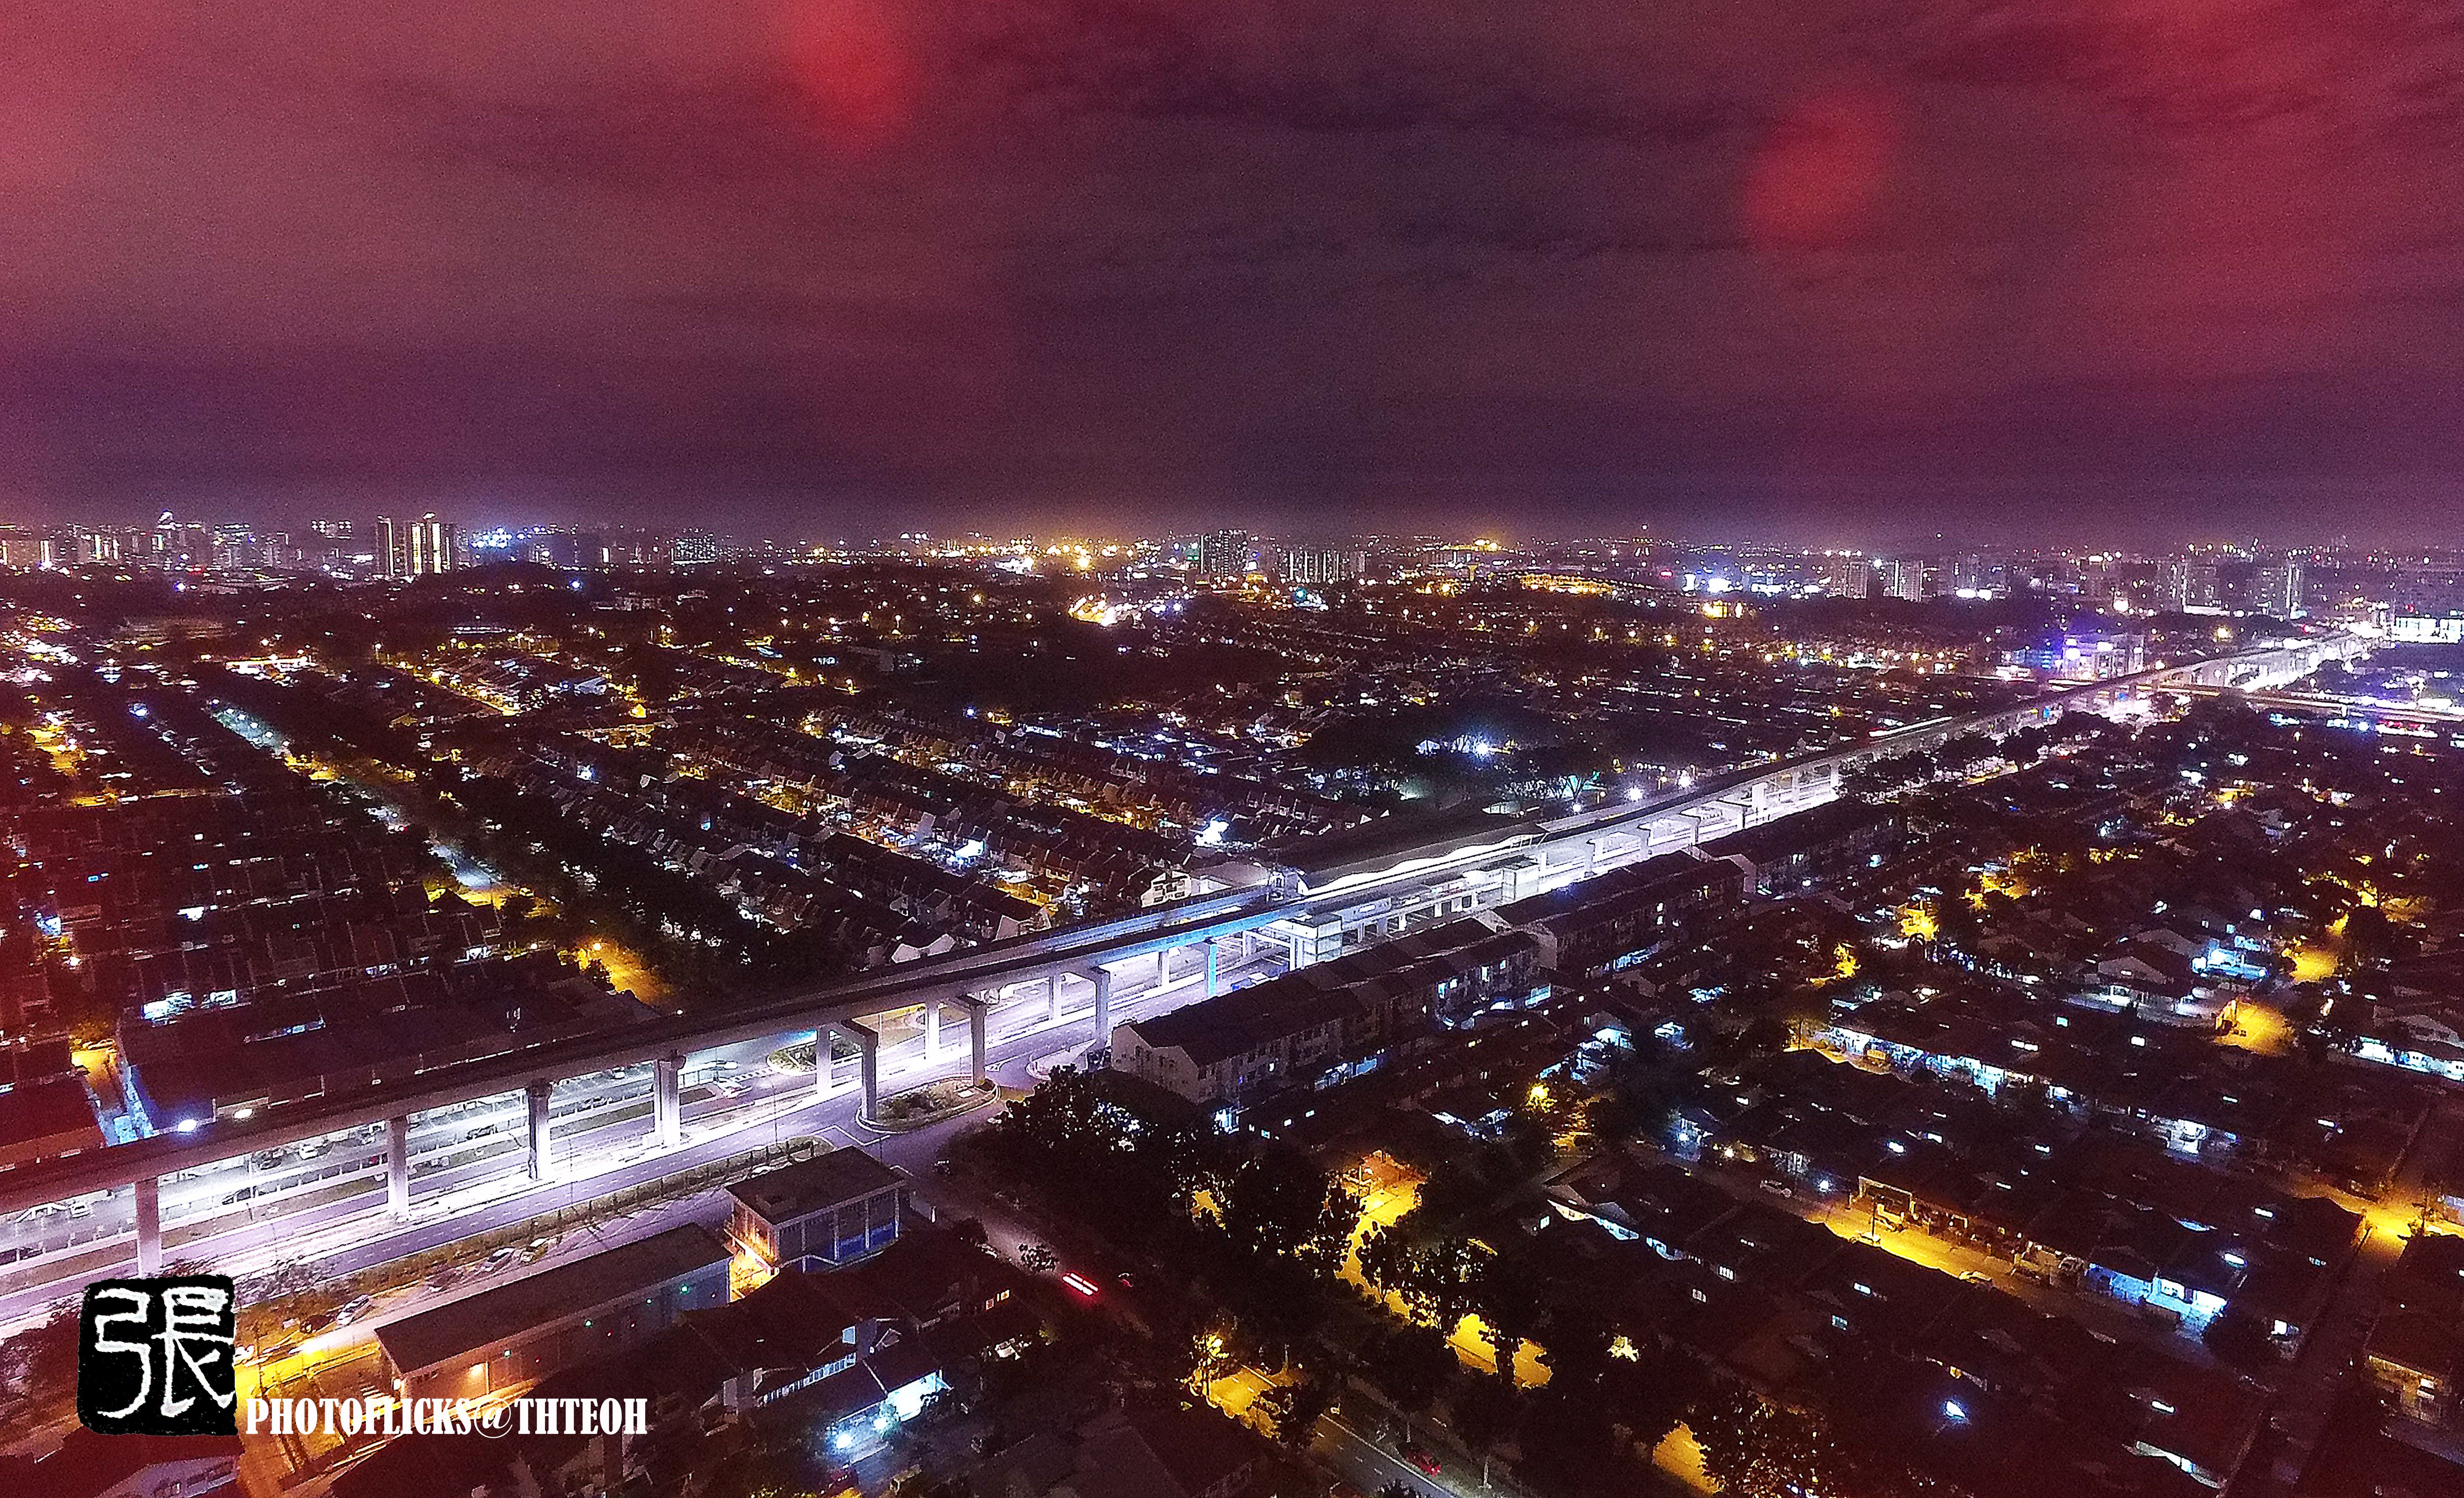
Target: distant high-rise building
694,548
416,548
2189,583
431,544
1847,575
1900,577
1315,566
1973,575
1223,554
2276,589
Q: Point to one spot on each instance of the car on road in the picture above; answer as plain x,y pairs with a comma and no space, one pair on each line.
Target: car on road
944,1167
1420,1457
499,1259
268,1160
537,1249
481,1132
1779,1188
243,1194
353,1309
1977,1277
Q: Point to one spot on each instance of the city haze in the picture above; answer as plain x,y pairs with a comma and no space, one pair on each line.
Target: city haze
1832,274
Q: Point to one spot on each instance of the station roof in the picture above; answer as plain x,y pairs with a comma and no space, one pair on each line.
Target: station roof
477,1322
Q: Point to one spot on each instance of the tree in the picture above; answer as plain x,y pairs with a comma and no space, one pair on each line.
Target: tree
1211,1355
1754,1448
1956,920
1965,750
1507,1301
1439,1288
1652,1390
41,1361
1385,1258
1411,1365
1484,1412
1294,1409
1279,1205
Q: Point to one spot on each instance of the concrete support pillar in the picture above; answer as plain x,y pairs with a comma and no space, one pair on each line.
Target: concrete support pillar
1590,856
931,1030
668,1099
1102,1007
823,1083
398,1165
867,1043
537,1094
149,1225
977,1012
1052,1000
1210,967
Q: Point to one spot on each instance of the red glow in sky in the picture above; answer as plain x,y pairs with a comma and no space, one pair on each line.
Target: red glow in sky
1816,179
852,60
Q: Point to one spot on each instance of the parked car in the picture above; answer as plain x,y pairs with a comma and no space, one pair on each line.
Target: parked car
537,1249
354,1308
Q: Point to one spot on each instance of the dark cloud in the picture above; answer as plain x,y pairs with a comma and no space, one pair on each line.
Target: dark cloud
1825,265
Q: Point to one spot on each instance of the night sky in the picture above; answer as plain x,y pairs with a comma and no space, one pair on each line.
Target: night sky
1831,268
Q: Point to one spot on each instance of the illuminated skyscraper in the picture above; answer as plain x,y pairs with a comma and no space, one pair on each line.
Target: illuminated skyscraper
2277,590
390,553
429,546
